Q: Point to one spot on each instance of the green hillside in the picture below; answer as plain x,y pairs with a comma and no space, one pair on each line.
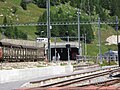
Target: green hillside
20,16
30,15
106,31
63,10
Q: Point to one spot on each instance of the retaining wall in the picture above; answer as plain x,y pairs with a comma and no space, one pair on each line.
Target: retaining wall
25,74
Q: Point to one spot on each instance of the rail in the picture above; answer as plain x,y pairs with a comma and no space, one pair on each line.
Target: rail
65,79
78,79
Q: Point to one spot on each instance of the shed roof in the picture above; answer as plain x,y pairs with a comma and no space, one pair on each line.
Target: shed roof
4,44
63,46
14,45
29,47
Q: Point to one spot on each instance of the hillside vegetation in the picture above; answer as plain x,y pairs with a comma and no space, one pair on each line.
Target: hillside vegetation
25,11
14,13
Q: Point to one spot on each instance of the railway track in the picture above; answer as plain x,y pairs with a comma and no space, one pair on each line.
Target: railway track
103,83
80,67
75,78
78,79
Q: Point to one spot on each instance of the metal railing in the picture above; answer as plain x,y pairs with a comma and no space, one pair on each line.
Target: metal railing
87,58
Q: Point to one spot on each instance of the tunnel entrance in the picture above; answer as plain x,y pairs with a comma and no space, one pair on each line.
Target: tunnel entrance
63,52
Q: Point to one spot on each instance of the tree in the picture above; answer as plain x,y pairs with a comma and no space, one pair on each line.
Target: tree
5,22
2,0
24,36
16,32
14,9
60,15
23,4
41,3
60,11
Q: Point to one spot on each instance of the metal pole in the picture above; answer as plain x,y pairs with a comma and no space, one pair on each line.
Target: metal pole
85,47
68,55
48,29
117,22
55,50
119,54
68,50
79,32
99,39
118,58
83,51
89,10
82,45
68,38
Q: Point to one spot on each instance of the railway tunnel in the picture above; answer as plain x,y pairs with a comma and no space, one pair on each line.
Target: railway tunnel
63,52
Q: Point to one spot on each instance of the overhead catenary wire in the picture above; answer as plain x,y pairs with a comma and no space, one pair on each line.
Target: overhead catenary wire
58,23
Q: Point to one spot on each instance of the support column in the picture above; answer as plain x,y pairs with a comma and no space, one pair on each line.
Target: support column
48,30
119,54
79,51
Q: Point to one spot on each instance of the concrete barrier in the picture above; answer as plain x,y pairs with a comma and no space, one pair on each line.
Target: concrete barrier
68,68
25,74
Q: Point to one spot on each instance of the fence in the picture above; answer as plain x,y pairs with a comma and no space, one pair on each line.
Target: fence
96,58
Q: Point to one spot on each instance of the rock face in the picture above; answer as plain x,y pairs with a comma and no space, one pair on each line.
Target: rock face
112,40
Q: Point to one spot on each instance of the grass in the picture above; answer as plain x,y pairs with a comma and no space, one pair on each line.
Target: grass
21,16
106,31
106,63
29,30
30,15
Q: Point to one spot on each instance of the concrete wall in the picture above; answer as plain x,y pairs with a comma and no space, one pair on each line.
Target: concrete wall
25,74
